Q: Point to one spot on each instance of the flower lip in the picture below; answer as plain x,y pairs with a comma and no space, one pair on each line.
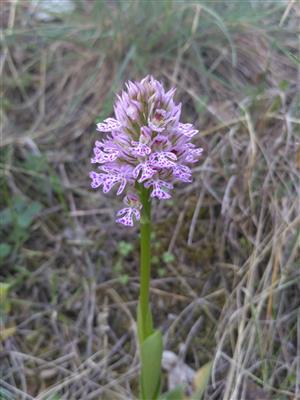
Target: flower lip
126,216
140,149
108,125
143,171
159,187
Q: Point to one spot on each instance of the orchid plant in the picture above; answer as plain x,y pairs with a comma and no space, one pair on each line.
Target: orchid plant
145,151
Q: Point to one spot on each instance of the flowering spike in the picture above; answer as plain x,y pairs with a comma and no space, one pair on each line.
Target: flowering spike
146,144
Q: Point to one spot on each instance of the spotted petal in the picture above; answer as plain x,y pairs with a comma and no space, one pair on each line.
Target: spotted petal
187,130
158,189
183,173
108,125
97,179
126,216
145,170
193,155
108,180
108,155
163,159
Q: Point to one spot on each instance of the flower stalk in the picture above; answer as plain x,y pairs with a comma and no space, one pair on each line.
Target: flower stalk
145,322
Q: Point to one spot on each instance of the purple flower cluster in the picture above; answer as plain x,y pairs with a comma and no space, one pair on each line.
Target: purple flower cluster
145,144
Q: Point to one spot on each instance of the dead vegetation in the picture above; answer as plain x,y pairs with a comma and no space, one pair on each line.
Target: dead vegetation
226,275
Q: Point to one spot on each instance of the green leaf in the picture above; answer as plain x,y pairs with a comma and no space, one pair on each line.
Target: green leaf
151,354
6,395
125,248
56,184
4,301
19,204
7,332
118,267
168,257
123,279
161,272
4,289
283,85
175,394
148,330
153,236
154,260
4,250
54,397
5,217
36,163
139,323
25,218
201,380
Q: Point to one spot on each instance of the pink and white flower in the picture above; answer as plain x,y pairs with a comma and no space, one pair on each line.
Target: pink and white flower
146,144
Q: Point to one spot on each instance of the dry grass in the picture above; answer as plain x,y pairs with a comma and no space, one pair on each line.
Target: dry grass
230,293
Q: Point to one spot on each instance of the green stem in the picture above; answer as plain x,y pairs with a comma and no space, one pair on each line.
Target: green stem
145,265
151,346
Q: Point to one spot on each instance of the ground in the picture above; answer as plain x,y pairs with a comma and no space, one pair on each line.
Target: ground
226,258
